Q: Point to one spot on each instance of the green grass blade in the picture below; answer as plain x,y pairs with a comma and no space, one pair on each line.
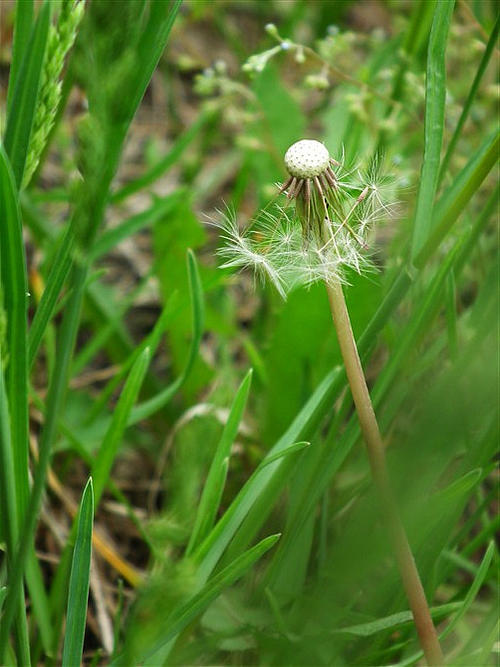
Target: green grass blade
166,162
214,485
266,482
199,602
152,405
79,581
22,30
110,238
14,294
9,512
395,620
55,281
465,605
434,122
492,42
455,199
114,434
23,103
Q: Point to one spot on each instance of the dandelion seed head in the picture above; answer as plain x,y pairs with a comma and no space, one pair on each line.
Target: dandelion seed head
306,158
319,237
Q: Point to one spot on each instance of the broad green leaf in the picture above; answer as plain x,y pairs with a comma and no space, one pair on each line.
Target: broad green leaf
79,581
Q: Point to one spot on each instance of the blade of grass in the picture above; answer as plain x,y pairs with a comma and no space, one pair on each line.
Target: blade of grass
22,31
395,620
79,581
166,162
267,479
14,292
8,504
114,434
152,341
470,99
23,101
434,121
57,276
457,196
216,478
152,405
464,607
110,238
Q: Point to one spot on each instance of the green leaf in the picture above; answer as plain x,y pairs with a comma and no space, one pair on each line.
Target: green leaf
79,581
121,414
23,101
152,405
434,122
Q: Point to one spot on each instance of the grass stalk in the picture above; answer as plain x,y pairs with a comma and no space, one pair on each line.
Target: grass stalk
376,454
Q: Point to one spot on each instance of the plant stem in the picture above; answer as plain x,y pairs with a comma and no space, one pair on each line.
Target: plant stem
376,454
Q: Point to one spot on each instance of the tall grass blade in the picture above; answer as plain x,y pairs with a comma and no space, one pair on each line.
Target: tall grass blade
214,485
79,581
22,30
434,122
23,101
114,434
492,42
152,405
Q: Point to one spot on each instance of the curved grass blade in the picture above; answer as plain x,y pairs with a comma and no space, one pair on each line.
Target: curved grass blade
434,121
79,581
149,407
216,478
23,102
114,434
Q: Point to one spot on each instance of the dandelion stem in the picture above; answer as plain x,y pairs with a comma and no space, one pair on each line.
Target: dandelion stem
376,454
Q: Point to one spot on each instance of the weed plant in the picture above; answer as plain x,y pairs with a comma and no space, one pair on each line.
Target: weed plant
182,476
